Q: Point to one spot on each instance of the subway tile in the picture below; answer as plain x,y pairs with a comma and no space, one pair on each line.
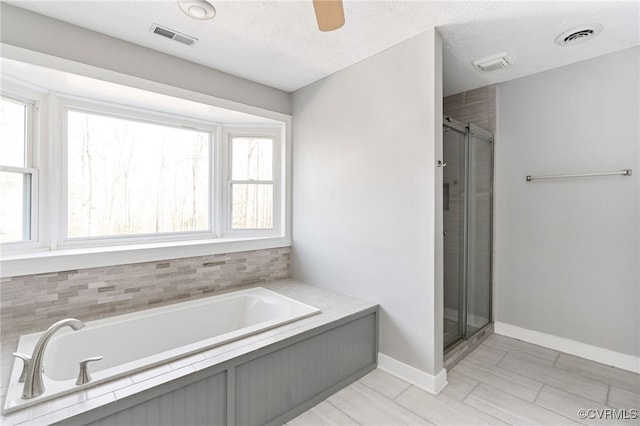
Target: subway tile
106,288
216,263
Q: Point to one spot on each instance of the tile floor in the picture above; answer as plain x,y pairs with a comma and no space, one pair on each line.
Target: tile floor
504,381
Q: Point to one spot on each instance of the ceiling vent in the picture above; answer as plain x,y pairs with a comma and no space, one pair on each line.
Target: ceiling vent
173,35
493,62
578,34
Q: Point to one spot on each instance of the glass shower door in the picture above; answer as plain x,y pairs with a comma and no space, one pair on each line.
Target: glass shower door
479,230
453,216
467,224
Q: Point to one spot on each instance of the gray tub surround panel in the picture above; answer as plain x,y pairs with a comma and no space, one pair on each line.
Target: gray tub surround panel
32,303
282,372
269,386
200,403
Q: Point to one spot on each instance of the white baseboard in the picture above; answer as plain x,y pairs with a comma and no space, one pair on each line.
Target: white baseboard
583,350
425,381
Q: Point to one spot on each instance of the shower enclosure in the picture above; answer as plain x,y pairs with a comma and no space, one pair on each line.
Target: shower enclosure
467,220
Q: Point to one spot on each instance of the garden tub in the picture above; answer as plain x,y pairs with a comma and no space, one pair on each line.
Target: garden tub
133,342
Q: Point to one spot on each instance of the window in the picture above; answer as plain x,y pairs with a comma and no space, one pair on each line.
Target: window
131,175
128,176
93,172
18,180
252,181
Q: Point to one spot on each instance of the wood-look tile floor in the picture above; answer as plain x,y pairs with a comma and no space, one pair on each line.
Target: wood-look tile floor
504,381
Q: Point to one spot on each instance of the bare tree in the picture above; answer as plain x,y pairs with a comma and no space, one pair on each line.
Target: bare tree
87,170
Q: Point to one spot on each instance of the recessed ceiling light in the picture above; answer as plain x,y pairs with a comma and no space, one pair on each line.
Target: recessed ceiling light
198,9
579,34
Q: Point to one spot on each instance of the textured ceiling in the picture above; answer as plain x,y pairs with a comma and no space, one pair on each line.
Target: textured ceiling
277,43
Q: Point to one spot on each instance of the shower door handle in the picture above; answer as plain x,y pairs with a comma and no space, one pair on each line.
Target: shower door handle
441,164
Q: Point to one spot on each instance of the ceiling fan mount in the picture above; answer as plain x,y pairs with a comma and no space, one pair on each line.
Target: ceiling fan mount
329,14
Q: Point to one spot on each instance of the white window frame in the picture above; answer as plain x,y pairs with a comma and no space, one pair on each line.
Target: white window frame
70,103
274,133
73,79
32,100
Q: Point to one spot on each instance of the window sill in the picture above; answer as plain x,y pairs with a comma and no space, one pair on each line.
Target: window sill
79,258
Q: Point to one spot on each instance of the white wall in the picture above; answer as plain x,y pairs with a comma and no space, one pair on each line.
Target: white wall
364,179
35,32
567,251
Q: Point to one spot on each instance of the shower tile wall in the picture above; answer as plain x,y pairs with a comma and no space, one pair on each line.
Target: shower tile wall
33,302
477,106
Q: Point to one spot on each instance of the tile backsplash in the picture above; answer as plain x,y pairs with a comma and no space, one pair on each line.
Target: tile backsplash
33,302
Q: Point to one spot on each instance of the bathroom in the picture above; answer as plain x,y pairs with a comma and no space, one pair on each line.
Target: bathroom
565,252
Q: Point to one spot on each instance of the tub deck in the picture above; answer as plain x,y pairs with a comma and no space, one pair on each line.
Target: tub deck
334,307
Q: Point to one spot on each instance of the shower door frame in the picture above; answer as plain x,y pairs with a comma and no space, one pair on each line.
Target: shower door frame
471,130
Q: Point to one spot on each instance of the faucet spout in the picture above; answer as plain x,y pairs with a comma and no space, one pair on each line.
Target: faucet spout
33,384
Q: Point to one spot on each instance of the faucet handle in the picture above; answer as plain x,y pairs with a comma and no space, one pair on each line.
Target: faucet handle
26,360
83,375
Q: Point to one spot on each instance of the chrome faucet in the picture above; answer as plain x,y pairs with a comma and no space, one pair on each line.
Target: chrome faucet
33,384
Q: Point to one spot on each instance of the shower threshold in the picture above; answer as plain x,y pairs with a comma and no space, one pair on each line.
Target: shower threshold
459,350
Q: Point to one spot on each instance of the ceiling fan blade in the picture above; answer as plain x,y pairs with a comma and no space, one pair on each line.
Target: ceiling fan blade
329,14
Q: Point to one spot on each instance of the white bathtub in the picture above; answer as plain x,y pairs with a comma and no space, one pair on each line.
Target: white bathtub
133,342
